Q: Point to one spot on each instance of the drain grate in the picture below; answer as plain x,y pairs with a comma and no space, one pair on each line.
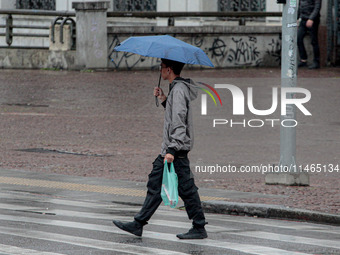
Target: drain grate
43,150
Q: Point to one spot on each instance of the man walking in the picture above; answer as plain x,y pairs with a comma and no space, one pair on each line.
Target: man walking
309,12
177,142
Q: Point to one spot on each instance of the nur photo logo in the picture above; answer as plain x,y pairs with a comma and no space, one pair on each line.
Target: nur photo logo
288,102
204,97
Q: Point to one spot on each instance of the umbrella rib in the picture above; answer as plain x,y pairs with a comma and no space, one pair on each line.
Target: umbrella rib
152,45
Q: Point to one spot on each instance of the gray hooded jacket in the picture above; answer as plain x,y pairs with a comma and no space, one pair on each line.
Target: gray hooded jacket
178,132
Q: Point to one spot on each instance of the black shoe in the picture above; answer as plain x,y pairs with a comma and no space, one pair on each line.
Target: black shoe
132,227
194,233
315,65
302,64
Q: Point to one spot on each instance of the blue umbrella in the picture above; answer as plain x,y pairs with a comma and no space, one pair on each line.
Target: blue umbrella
165,46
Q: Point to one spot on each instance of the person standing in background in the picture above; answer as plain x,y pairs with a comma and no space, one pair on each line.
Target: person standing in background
309,12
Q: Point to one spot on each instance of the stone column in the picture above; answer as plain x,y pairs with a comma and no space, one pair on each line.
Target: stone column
92,48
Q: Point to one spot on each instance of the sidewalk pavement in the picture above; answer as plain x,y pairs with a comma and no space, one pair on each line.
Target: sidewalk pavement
106,125
133,193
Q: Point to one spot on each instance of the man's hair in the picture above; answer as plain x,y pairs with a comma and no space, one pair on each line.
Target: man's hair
174,65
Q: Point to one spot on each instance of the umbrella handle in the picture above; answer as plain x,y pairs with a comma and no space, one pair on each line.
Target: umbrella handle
159,83
157,103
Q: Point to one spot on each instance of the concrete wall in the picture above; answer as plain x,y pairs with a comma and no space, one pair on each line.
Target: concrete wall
225,46
61,5
27,41
7,4
37,59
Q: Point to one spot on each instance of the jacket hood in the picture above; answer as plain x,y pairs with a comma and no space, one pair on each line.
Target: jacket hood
193,87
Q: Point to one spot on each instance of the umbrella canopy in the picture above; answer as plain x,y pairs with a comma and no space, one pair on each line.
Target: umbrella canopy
165,46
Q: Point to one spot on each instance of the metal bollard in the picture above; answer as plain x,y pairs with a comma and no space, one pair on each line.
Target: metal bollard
171,22
73,26
53,25
9,29
242,22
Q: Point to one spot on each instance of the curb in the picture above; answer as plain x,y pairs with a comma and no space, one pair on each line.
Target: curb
269,211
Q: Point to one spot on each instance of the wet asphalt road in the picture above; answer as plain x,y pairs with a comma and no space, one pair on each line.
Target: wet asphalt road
51,214
81,125
106,124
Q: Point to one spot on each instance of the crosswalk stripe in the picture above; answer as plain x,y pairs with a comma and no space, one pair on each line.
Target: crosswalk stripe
172,223
176,224
251,249
169,212
329,231
71,213
110,229
290,238
59,201
220,217
272,223
68,213
85,242
226,218
12,250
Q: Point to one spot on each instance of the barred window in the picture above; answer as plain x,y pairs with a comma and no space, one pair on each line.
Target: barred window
36,4
242,5
134,5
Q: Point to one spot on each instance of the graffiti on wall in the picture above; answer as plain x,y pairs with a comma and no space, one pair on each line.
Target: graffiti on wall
128,60
217,48
274,49
98,52
224,51
244,52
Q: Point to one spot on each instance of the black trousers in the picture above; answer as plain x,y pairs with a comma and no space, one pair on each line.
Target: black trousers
187,190
302,31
